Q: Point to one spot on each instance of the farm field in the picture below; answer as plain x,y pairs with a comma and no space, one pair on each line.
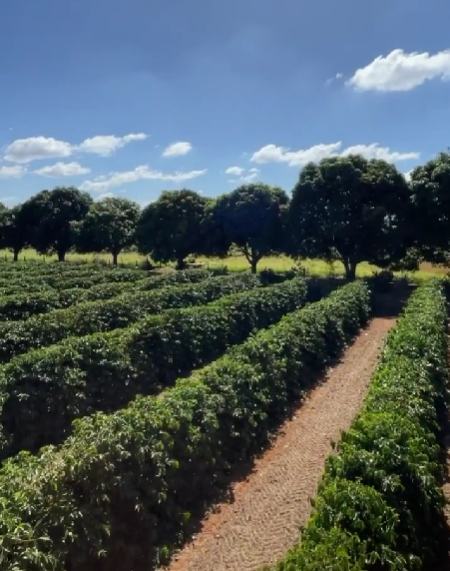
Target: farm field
136,403
232,262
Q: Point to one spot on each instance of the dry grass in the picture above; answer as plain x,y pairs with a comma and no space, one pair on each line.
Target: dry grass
234,263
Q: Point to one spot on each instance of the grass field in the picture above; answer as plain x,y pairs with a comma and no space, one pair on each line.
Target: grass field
234,263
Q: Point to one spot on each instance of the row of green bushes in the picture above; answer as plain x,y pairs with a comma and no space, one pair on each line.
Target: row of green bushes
380,503
120,491
25,304
82,279
43,391
95,316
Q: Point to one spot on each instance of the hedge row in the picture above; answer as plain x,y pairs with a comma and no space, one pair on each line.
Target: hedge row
84,279
94,316
43,391
26,304
380,504
120,491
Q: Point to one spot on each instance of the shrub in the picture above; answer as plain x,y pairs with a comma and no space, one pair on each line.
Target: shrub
380,503
119,492
44,390
116,313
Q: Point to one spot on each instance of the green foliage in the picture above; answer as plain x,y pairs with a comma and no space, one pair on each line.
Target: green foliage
14,231
170,229
24,305
44,390
116,313
380,503
118,493
352,210
54,213
250,218
430,184
110,226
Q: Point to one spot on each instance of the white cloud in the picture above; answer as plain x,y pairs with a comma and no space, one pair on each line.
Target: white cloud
12,172
274,154
105,195
63,169
337,77
103,184
374,151
236,171
177,149
106,145
251,175
23,151
400,71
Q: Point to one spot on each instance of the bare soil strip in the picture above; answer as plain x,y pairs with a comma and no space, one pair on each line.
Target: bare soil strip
262,522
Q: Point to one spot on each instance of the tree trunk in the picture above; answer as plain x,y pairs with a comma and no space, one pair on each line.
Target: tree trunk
115,255
180,264
16,255
61,256
350,269
253,265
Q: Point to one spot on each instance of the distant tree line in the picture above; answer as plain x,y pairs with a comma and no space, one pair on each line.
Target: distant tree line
346,209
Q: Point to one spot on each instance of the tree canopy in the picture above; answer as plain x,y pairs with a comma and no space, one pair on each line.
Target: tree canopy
170,229
55,212
352,210
251,218
109,226
14,231
430,186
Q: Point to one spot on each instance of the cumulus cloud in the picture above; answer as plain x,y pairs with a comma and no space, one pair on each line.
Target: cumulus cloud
177,149
63,169
251,175
236,171
106,145
24,151
12,172
103,183
400,71
274,154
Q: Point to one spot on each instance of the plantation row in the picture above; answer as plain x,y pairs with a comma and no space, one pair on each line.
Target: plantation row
95,316
24,305
380,503
43,391
88,277
119,492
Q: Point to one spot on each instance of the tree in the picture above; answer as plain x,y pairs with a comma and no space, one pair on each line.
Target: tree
170,229
110,226
251,218
56,213
352,210
430,186
14,231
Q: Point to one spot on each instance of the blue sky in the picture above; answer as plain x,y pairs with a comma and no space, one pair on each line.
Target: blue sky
132,97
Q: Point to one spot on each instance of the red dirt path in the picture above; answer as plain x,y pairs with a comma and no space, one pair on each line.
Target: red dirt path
263,521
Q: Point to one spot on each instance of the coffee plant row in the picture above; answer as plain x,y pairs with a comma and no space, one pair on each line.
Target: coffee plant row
25,304
116,313
119,493
380,503
43,391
